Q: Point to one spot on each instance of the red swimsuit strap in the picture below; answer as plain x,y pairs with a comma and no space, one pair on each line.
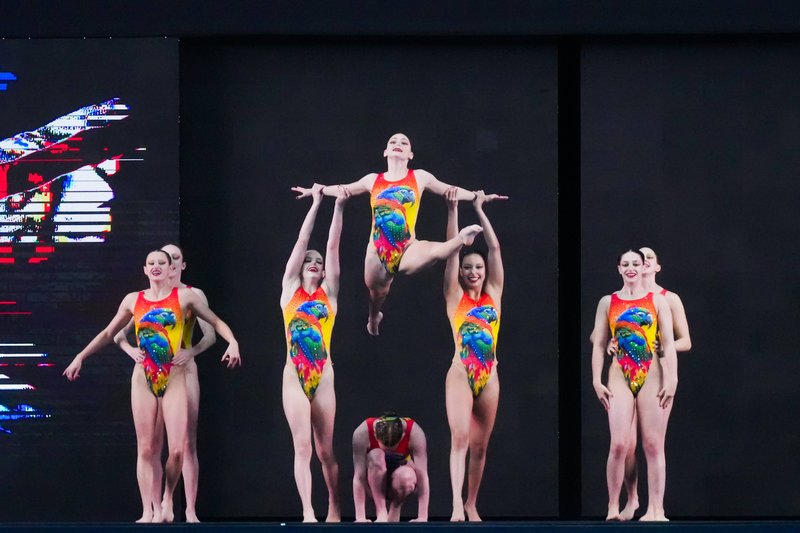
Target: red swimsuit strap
402,446
373,441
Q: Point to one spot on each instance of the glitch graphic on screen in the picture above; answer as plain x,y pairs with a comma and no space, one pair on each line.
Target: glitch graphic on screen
41,205
88,184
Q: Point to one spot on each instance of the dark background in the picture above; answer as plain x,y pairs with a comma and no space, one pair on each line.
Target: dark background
690,149
282,115
746,418
52,467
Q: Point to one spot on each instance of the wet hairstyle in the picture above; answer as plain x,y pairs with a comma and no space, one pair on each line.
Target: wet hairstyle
637,252
178,246
169,257
469,250
389,428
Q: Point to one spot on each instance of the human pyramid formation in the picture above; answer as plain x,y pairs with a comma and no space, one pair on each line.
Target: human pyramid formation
389,452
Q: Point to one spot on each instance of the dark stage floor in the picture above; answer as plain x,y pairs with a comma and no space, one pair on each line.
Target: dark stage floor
738,526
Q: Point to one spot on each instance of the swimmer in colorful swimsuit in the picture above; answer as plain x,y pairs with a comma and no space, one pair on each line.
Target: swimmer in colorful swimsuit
159,315
632,315
683,343
395,196
309,302
150,439
390,463
472,292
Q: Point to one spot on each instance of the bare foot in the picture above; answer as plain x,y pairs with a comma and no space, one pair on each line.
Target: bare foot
374,323
651,516
458,514
472,513
309,518
382,517
629,510
166,511
363,520
613,513
334,515
146,518
157,516
191,518
468,234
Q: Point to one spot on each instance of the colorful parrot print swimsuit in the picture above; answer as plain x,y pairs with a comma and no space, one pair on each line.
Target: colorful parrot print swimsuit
634,324
309,322
394,216
159,332
475,328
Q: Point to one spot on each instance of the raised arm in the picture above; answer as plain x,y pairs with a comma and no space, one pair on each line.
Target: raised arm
452,289
599,340
360,445
202,311
362,186
124,314
680,325
295,262
496,275
209,337
419,450
669,362
332,268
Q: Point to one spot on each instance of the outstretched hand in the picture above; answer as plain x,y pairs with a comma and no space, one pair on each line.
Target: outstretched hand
302,192
483,198
315,191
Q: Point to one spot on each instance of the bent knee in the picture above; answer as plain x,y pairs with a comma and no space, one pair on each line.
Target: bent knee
378,289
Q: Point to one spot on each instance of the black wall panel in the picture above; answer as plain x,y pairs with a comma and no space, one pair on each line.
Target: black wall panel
689,149
259,119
